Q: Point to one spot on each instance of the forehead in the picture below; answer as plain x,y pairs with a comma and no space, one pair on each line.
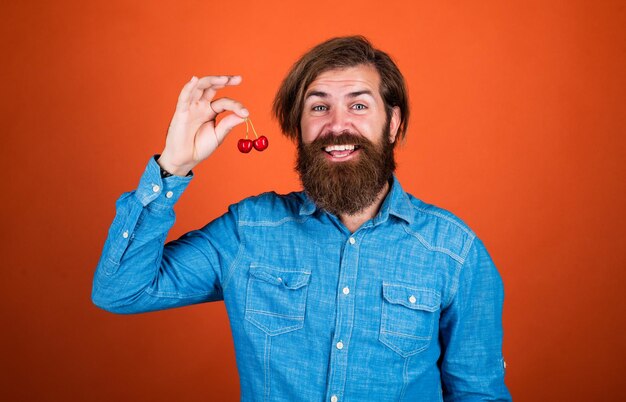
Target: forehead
361,77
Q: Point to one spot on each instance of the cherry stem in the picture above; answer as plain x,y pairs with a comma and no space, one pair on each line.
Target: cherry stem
252,125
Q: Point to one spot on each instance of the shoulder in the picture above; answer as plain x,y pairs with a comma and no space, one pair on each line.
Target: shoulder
271,208
440,229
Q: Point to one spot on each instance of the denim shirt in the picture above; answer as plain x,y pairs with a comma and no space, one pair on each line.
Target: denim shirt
407,308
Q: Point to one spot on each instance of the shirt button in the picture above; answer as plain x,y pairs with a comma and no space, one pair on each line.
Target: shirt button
339,345
352,241
412,299
346,290
334,398
169,194
125,234
156,188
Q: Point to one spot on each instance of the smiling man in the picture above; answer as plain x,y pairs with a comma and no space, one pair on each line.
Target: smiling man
364,293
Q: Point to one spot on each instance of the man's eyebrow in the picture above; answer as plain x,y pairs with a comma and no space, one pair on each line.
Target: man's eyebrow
359,93
354,94
316,93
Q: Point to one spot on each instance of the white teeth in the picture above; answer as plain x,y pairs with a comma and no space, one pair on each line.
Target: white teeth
339,148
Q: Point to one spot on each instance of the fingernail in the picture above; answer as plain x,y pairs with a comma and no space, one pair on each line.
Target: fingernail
245,112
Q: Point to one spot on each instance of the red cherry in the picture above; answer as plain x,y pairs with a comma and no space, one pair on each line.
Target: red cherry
244,145
260,143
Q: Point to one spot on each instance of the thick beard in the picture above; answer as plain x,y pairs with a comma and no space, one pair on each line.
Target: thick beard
345,188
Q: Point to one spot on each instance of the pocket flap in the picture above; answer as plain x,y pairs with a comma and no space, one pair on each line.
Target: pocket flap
280,277
412,297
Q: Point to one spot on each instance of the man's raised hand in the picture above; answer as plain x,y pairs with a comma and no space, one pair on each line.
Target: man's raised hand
193,134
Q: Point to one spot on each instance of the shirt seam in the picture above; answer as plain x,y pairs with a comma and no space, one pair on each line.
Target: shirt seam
240,251
454,289
446,218
272,223
173,295
458,258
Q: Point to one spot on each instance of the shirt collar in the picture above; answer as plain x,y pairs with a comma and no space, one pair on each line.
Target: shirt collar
396,203
308,207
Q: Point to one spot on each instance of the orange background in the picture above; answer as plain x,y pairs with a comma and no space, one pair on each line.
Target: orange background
518,126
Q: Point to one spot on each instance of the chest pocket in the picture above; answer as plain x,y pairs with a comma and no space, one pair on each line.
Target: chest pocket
408,318
276,299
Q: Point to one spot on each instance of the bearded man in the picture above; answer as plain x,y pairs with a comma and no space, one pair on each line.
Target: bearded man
351,290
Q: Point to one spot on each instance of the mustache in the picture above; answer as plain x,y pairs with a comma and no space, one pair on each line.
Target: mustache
342,138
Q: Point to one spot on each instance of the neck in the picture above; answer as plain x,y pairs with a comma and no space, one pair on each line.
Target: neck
354,222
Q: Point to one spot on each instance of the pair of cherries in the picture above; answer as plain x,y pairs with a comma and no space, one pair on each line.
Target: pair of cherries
245,145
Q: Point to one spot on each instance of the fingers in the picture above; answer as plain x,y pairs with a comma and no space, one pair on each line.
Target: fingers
224,80
208,86
224,104
225,125
240,113
205,88
185,94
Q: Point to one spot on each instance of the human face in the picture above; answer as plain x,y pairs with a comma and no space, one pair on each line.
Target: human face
345,156
346,101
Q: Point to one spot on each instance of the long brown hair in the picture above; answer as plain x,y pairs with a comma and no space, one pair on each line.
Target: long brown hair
338,53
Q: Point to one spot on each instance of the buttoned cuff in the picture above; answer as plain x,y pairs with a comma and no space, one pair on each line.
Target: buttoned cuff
163,192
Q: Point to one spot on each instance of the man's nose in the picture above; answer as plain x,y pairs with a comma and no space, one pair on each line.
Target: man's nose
339,121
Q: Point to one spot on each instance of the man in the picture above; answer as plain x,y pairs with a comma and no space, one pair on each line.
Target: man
352,290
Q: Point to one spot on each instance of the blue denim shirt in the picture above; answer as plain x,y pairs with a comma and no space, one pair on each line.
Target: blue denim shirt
407,308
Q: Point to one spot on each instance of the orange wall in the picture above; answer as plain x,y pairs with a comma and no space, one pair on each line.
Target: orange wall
519,126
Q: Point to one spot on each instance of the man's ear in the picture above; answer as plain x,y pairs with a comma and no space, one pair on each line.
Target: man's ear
394,124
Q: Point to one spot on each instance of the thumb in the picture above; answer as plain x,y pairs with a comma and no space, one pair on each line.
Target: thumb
225,125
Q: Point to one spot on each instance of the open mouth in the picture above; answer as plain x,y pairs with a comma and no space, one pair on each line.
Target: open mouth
339,152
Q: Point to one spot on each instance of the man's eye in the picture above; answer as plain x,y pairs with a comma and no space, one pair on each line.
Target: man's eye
319,108
359,106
